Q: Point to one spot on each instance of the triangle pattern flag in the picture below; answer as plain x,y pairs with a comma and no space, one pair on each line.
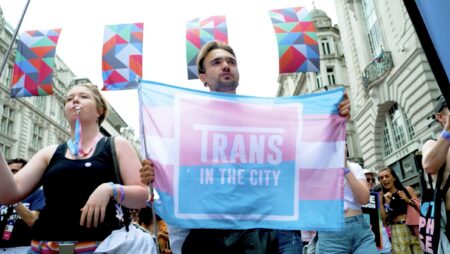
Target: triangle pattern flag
200,31
280,166
34,64
293,28
122,56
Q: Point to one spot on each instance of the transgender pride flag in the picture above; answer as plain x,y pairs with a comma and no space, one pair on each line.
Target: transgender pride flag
237,162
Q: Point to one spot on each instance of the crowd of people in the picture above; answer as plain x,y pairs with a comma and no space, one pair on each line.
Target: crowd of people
67,198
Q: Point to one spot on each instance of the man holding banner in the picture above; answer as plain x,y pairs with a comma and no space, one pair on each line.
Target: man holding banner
434,228
218,71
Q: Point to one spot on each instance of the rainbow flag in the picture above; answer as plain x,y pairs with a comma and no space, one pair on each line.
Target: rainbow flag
35,61
237,162
122,56
200,31
298,49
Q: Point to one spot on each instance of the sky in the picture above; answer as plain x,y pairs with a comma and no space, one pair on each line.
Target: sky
250,33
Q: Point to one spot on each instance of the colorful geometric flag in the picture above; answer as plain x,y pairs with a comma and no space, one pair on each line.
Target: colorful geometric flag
298,49
35,61
122,56
198,33
280,166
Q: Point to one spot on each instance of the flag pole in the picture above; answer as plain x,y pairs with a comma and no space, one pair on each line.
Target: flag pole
151,201
5,57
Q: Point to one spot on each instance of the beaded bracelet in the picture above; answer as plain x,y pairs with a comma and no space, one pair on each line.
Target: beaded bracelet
113,186
445,134
122,193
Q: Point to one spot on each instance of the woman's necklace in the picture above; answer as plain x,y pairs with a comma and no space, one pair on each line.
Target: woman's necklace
74,145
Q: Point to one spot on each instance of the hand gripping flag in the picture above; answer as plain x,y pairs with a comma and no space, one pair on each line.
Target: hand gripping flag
199,32
298,49
122,56
237,162
35,61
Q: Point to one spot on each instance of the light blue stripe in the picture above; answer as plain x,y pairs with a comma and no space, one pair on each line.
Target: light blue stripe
156,93
322,215
245,193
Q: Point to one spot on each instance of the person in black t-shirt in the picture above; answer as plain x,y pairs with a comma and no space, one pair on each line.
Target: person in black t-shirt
16,220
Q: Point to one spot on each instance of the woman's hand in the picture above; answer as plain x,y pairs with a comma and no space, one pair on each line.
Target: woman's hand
147,172
387,197
94,210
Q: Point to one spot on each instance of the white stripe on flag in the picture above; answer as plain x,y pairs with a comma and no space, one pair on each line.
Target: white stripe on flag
308,155
161,149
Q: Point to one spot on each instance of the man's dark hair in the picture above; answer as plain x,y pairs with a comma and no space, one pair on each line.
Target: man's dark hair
17,160
208,47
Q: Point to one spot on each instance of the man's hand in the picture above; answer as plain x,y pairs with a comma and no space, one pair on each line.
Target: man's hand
344,107
147,172
447,123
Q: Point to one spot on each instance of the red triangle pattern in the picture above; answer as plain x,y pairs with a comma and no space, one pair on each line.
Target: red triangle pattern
115,77
106,66
308,26
30,85
291,60
44,72
48,88
135,63
17,74
42,51
193,36
279,30
108,46
138,35
308,40
218,35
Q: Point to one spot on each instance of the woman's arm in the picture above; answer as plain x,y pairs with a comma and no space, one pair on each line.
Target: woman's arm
360,189
135,191
14,188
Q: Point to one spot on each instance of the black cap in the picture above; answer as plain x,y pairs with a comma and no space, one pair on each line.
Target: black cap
441,104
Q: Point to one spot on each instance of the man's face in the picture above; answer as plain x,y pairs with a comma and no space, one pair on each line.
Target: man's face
15,167
221,72
370,180
442,116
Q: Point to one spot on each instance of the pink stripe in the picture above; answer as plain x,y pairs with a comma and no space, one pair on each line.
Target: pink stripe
158,121
321,184
210,113
163,177
323,128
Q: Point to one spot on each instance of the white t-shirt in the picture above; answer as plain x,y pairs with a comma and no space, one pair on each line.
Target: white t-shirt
349,199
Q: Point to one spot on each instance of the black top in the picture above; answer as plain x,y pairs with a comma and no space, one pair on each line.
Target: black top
397,205
67,186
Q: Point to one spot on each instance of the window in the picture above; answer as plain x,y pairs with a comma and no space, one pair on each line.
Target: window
325,46
6,150
7,121
318,80
330,75
36,140
6,76
406,167
387,140
373,28
397,130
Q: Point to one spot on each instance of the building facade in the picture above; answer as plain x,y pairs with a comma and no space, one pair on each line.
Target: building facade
393,90
29,124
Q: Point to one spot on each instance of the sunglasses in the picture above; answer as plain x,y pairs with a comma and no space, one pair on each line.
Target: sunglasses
370,180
